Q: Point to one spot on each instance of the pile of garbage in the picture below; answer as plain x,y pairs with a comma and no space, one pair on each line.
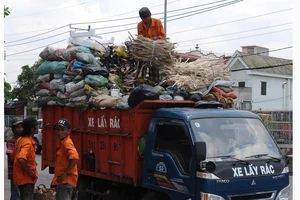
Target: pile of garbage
89,73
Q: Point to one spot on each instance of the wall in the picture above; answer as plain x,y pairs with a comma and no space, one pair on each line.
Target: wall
277,97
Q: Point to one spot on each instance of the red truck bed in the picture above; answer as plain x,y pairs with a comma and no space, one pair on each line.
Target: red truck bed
112,135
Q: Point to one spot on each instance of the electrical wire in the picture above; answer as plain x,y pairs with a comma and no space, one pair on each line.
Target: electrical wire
69,24
128,29
134,23
51,10
220,6
137,17
38,39
240,56
272,99
35,48
36,35
121,15
264,67
234,32
240,37
271,13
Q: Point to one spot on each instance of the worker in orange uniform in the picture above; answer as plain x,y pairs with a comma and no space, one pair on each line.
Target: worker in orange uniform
150,27
66,174
25,173
17,129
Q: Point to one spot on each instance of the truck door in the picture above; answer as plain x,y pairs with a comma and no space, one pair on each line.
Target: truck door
168,166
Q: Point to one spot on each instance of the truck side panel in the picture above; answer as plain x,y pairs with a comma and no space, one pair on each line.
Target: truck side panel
106,140
110,135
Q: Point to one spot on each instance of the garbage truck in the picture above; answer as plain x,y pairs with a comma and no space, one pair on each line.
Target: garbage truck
170,150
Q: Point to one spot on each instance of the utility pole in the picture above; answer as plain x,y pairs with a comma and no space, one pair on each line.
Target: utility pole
165,18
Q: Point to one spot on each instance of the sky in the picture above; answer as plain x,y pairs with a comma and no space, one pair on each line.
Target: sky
214,25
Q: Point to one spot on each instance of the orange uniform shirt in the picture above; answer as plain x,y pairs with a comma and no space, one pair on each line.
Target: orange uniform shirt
64,152
156,29
25,148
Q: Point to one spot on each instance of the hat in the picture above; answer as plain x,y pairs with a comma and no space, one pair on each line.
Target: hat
29,122
144,12
63,123
16,120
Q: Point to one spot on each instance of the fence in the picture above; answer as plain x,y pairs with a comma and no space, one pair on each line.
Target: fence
280,125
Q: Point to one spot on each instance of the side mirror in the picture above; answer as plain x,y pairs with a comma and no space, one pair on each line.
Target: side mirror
288,159
200,151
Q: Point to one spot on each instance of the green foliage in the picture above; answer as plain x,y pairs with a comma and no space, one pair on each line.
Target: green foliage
7,88
6,11
26,83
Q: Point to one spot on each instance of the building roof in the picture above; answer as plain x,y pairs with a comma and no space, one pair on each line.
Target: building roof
254,61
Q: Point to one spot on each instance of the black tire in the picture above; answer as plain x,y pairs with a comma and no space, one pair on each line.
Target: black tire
83,184
156,196
38,147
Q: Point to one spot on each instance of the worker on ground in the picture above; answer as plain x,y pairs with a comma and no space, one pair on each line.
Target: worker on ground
150,28
17,129
66,174
25,173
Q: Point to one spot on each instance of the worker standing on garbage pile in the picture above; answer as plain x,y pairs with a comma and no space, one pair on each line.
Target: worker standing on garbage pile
150,27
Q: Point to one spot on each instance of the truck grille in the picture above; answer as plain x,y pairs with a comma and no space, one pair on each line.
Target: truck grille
257,196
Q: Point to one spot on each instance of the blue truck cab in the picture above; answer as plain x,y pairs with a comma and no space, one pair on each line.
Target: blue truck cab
212,154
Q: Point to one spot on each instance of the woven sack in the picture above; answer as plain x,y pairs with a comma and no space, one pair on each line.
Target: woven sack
43,193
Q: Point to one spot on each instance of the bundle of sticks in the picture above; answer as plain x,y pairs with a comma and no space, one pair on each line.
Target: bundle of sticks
194,75
157,52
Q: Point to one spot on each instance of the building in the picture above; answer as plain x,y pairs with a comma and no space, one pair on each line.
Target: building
262,82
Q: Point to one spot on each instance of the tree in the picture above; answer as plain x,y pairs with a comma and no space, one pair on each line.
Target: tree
7,88
6,11
25,89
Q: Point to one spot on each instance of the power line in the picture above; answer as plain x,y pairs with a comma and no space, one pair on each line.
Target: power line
234,33
240,56
272,99
231,21
128,29
36,35
135,17
51,10
280,49
219,6
241,37
134,23
31,31
35,48
68,24
38,39
264,67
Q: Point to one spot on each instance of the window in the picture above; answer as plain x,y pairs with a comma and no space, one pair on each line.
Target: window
250,50
263,88
173,139
241,84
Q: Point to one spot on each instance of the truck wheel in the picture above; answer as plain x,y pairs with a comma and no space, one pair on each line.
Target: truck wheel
38,148
156,196
83,184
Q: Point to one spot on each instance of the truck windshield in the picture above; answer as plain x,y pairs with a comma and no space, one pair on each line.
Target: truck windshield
241,137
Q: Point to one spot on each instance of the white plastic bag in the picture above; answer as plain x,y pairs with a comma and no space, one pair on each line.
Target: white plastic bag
99,45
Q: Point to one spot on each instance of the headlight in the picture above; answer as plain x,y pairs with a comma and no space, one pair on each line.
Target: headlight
206,196
284,194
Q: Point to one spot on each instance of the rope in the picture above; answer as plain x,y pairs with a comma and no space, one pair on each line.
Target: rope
153,47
